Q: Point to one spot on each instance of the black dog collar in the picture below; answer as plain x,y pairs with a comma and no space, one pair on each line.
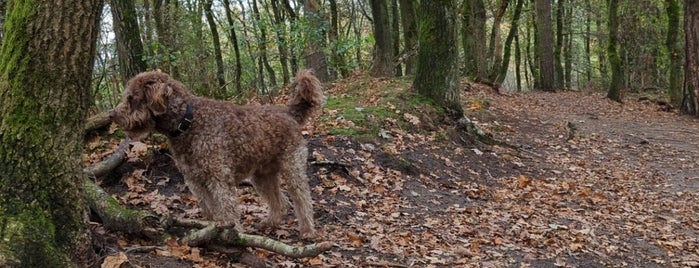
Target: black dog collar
185,123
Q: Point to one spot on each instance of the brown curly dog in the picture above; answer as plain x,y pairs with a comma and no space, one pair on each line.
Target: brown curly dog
217,144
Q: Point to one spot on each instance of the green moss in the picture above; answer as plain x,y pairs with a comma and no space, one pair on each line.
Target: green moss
28,240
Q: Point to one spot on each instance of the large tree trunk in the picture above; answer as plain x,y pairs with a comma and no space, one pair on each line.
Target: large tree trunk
690,101
128,39
45,83
438,58
383,49
617,82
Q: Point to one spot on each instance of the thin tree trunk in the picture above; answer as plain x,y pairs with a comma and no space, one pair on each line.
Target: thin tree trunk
558,48
409,23
220,72
262,46
128,39
383,49
588,51
690,100
508,43
494,54
162,15
615,86
544,45
674,49
474,39
44,96
294,25
338,57
236,48
395,32
282,40
518,62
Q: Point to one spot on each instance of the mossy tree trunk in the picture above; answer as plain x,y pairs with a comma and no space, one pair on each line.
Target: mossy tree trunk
437,71
315,48
45,72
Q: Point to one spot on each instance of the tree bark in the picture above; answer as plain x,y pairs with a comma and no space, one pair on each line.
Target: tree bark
544,45
315,57
437,69
615,86
409,24
128,39
690,100
474,39
45,75
674,50
383,49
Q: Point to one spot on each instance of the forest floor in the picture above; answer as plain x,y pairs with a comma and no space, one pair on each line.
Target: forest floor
577,181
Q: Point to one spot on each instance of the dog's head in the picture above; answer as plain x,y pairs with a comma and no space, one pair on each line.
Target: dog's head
145,98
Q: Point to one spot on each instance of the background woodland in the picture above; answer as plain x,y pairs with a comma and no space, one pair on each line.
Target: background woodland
591,171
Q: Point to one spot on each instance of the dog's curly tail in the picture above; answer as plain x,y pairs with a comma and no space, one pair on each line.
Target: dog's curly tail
309,98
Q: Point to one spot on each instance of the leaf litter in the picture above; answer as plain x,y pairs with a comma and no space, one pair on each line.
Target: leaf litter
586,182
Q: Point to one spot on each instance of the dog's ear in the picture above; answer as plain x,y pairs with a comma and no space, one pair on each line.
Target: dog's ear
156,96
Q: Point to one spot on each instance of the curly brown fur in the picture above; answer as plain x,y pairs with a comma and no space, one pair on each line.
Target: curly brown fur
227,144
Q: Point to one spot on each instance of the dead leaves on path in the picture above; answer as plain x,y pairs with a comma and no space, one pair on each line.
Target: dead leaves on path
416,198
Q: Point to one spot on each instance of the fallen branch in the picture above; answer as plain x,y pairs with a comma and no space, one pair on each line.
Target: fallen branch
104,167
284,249
330,163
97,121
211,233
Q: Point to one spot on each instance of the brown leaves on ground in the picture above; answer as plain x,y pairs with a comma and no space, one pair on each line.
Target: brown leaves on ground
593,183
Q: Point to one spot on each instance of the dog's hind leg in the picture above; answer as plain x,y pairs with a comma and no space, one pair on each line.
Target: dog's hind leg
294,169
267,184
